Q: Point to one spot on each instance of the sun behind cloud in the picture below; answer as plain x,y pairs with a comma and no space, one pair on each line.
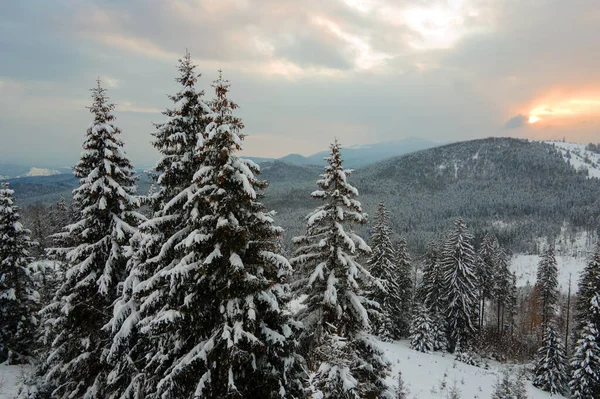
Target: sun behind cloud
566,110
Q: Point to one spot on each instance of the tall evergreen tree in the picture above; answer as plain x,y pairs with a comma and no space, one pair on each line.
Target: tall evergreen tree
76,364
459,282
405,285
215,317
155,248
550,368
382,265
585,365
547,284
502,284
484,271
18,298
430,293
589,286
336,317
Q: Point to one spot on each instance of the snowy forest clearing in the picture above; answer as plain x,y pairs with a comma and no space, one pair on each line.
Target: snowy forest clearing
432,375
525,267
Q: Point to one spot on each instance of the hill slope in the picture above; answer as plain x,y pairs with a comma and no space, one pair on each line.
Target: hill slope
518,188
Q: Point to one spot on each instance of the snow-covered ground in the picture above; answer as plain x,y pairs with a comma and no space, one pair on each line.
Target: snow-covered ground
525,266
580,157
10,378
426,375
431,375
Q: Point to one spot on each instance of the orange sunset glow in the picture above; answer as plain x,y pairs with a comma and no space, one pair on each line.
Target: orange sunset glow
565,111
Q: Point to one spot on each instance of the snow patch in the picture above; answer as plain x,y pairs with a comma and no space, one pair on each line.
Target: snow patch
579,157
431,375
10,378
41,172
525,266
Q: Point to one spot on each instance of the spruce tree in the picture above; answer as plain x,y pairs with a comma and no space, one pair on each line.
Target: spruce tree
589,286
401,391
550,367
585,365
503,389
458,285
382,265
18,298
155,248
421,330
215,317
404,281
484,271
502,284
547,284
96,263
336,319
510,388
430,293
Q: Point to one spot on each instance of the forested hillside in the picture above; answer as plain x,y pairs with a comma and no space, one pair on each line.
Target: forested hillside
520,189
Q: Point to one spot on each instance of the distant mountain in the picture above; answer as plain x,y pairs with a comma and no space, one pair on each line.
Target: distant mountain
8,171
363,155
45,189
517,188
522,190
41,172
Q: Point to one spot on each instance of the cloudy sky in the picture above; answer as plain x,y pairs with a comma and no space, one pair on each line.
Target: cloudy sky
303,72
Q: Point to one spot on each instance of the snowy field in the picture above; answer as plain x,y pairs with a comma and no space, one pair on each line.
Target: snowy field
426,375
432,375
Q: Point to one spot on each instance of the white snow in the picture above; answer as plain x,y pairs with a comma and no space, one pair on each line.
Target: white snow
431,375
578,157
10,378
41,172
526,266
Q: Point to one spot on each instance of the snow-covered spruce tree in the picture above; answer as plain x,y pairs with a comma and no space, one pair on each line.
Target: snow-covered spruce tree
217,313
459,285
401,391
155,247
502,285
589,286
421,330
547,284
511,305
405,285
75,364
550,367
18,298
585,365
510,388
337,313
382,265
484,271
430,293
503,389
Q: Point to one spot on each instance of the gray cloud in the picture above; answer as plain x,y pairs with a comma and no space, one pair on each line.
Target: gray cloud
516,122
302,72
